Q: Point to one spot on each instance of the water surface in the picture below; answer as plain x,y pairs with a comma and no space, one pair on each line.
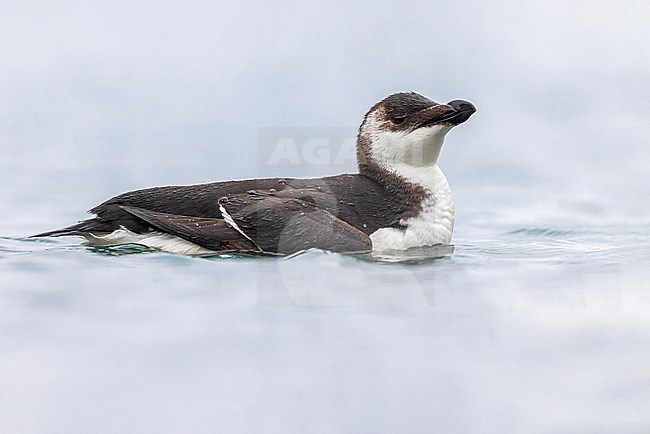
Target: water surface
528,329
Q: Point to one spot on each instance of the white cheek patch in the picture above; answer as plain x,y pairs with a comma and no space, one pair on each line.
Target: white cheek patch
420,147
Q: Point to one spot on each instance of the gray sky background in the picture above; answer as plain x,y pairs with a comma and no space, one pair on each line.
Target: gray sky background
102,97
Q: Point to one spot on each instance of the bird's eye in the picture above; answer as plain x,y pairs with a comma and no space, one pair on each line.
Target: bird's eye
398,120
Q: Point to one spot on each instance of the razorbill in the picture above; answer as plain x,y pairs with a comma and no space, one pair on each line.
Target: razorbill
399,199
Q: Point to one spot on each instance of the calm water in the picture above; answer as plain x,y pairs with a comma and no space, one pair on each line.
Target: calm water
515,329
537,321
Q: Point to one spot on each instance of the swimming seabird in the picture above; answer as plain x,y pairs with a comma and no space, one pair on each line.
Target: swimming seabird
399,199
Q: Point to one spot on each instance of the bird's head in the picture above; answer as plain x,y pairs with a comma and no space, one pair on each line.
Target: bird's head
407,129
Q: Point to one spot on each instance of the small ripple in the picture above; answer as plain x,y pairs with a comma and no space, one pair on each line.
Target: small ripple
588,248
33,240
22,245
542,232
119,250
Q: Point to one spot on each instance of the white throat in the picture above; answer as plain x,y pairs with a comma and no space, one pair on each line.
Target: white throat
435,222
414,157
418,148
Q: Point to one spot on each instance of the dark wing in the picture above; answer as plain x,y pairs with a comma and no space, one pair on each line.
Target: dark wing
287,224
211,233
199,200
262,223
356,200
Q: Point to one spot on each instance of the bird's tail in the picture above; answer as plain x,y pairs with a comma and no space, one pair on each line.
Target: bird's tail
76,229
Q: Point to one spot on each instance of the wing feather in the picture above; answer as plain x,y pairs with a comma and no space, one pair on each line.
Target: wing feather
211,233
262,222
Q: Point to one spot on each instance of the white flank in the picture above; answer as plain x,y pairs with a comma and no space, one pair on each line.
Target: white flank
154,240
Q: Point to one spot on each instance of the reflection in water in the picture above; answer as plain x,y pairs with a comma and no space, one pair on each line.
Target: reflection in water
414,255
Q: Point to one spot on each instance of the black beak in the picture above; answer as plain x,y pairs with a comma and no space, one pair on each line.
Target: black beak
454,112
462,111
